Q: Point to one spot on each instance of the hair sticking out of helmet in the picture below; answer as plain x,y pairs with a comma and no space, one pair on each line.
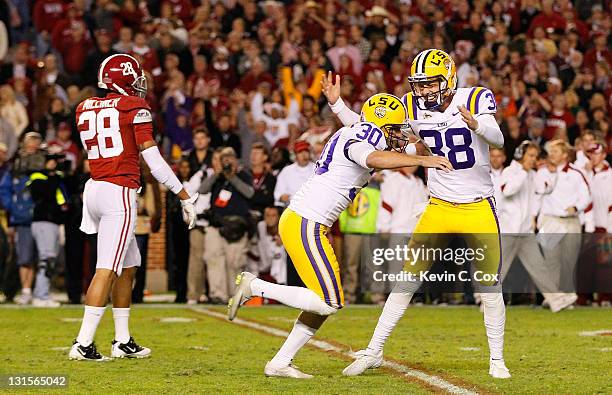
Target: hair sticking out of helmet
122,74
433,78
388,113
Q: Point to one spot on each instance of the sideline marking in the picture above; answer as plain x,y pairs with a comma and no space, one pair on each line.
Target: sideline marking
430,380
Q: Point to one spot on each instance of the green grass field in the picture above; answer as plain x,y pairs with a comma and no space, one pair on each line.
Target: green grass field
544,351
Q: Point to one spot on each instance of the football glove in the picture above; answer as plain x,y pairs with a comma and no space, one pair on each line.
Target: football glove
189,213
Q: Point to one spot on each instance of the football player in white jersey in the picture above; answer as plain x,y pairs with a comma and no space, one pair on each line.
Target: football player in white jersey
459,124
375,140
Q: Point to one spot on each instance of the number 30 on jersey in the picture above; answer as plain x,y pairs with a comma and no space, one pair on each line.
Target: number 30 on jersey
101,128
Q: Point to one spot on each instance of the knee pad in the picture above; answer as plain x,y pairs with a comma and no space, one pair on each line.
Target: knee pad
327,309
318,306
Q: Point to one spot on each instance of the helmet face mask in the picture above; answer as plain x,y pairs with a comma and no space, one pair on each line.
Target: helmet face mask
140,86
397,138
429,92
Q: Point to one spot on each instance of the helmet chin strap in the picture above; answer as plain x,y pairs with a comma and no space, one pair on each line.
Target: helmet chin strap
120,90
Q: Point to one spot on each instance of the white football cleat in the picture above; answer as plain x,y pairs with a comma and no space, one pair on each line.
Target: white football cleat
565,301
498,369
241,295
288,371
363,362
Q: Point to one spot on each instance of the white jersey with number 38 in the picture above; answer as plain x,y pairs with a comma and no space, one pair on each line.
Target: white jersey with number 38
447,135
338,176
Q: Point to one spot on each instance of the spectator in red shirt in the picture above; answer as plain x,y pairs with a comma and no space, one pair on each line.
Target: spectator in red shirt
558,117
63,28
548,19
182,9
74,49
599,52
130,14
307,16
375,65
223,69
461,17
396,75
255,76
575,24
200,77
46,13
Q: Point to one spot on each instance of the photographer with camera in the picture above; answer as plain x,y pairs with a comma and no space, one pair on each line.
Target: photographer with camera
50,209
226,239
17,201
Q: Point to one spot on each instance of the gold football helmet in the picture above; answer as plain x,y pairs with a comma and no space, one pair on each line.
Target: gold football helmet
433,77
388,113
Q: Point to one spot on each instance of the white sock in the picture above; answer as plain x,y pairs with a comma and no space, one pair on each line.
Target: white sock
26,291
299,336
121,316
91,319
298,297
394,309
494,320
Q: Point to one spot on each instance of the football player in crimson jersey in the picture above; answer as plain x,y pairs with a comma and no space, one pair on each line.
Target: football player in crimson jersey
114,130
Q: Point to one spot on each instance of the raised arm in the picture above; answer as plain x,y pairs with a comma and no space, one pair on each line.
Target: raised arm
331,90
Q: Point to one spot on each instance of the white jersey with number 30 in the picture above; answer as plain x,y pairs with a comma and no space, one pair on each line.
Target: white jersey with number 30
337,177
447,135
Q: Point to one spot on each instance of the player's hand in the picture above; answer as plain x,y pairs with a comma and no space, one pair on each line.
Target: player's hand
189,210
468,118
437,162
331,88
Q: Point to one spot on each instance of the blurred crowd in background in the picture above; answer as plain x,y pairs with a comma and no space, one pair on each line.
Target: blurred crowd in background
235,89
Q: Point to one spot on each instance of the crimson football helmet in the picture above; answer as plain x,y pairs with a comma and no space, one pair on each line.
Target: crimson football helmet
121,73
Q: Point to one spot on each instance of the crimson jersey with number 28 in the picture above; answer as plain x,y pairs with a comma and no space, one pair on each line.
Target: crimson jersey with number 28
111,128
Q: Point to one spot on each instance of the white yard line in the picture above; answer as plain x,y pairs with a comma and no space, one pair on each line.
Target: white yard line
429,379
600,332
